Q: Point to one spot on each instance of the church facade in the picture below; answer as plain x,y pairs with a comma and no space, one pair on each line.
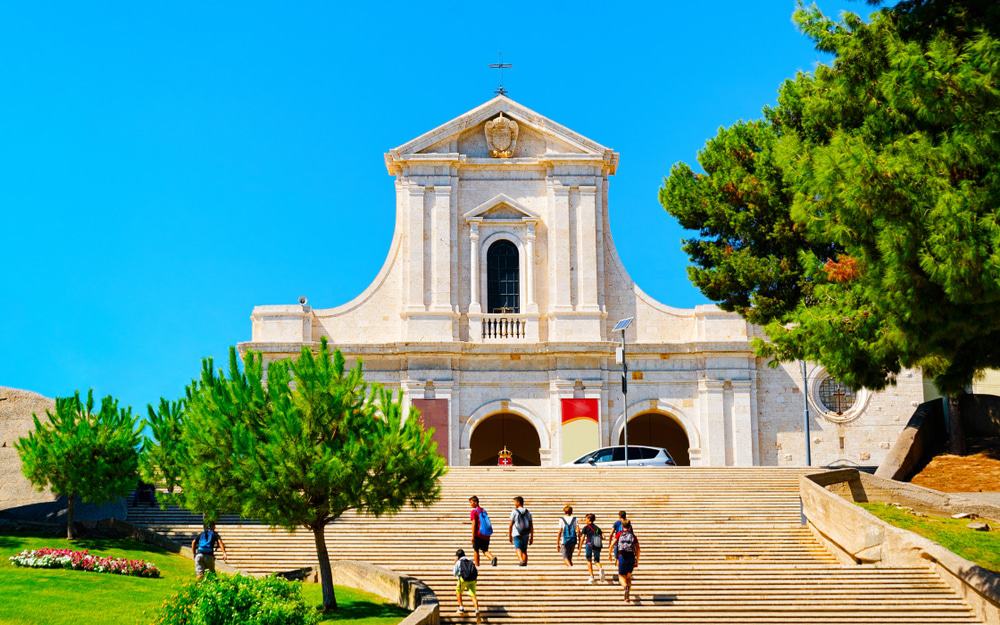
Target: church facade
494,312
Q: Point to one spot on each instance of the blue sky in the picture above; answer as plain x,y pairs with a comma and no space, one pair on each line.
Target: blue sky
167,166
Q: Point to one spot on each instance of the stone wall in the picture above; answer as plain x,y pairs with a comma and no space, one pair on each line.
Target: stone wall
861,439
16,408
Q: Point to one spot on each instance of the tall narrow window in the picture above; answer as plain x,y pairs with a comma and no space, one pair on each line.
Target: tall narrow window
502,278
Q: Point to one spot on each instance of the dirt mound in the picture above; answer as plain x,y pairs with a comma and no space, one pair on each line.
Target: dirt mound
977,472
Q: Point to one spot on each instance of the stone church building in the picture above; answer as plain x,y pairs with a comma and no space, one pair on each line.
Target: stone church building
494,313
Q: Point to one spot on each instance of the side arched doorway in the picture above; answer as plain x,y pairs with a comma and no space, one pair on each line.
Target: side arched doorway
500,430
658,430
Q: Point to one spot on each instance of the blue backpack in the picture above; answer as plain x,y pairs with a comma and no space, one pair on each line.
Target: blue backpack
569,531
206,542
485,527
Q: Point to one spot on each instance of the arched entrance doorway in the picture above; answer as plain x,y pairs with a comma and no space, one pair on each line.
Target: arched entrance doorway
505,429
658,430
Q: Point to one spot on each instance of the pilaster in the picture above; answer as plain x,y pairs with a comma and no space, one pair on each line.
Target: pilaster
559,260
415,243
440,249
475,300
586,250
530,306
712,410
742,427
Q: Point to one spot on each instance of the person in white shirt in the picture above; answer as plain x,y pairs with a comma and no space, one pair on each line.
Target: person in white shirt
568,535
521,530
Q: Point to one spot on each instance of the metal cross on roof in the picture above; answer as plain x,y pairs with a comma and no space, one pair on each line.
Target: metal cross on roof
500,65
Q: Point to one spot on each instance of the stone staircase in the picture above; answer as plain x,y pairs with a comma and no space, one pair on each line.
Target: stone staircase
718,546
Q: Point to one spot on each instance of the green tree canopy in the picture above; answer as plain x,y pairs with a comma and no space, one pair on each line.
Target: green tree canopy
82,453
300,449
858,220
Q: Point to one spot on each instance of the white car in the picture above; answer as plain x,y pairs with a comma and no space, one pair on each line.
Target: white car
638,456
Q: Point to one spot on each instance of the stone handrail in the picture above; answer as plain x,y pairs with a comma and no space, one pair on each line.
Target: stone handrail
859,537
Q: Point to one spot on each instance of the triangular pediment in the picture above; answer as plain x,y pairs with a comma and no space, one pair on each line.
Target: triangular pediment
538,136
501,208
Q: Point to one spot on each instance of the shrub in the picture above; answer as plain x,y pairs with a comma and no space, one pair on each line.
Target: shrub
238,600
48,558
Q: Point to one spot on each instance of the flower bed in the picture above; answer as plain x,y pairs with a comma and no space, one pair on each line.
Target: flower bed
46,558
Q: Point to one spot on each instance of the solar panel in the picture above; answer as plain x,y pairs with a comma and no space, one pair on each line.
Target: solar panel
622,325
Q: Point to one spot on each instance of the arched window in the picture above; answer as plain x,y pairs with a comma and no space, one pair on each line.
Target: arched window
502,278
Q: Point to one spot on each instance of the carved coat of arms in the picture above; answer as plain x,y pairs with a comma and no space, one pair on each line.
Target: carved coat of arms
501,136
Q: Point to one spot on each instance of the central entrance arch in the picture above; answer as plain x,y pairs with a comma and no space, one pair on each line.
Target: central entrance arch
655,429
504,429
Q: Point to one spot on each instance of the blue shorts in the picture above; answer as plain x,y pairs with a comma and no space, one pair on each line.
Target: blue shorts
626,562
521,543
593,555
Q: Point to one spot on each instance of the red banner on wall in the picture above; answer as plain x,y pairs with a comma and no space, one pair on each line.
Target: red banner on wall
434,414
581,431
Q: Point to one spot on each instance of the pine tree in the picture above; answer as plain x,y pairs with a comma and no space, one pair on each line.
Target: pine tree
300,450
859,221
82,453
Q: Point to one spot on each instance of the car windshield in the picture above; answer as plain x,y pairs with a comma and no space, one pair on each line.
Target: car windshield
602,455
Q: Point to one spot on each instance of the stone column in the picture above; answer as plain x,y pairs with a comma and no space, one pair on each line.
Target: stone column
440,249
529,270
475,305
712,409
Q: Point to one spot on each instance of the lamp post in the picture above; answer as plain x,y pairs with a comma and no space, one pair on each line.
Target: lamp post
805,412
621,326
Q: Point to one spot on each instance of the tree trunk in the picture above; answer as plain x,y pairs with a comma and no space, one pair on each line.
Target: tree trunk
956,433
70,534
325,572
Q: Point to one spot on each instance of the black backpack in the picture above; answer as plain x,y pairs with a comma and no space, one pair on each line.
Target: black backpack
467,570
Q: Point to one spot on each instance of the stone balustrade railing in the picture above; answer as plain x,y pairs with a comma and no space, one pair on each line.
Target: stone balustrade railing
503,328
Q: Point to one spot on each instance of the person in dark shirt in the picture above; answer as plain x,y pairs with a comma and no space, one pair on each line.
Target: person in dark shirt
593,538
628,556
203,547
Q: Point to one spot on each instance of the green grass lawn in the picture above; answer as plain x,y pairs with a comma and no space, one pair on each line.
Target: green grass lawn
61,597
983,548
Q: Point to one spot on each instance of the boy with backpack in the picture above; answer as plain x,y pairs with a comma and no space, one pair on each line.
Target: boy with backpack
628,556
482,530
593,540
203,547
521,530
568,533
466,574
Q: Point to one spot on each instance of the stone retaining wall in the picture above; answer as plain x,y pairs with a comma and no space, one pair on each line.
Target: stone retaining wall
859,536
406,592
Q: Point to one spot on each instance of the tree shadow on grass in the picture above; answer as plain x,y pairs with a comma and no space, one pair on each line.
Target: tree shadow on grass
103,544
357,610
10,542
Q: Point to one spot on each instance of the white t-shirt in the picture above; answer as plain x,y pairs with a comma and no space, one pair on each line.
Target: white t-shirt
563,522
527,519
